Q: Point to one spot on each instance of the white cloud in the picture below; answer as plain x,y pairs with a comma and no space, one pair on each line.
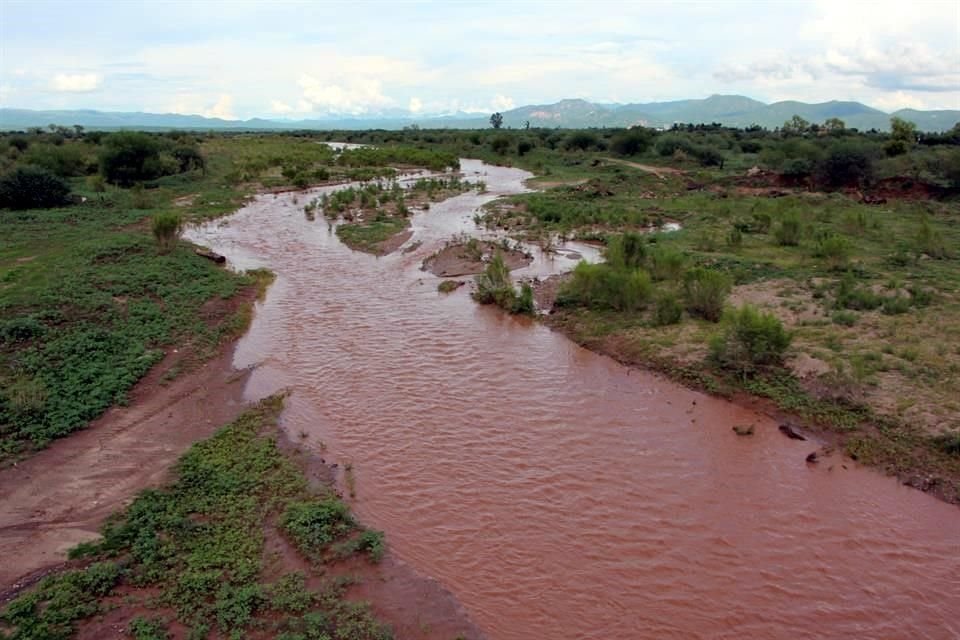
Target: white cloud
277,106
898,100
502,103
354,96
415,105
77,83
222,108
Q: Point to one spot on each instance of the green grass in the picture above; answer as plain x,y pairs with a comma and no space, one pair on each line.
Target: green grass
193,552
367,236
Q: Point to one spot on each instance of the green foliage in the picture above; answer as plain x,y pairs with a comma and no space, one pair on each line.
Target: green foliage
314,525
749,339
787,232
705,291
500,144
601,286
50,611
448,286
835,250
369,541
846,164
632,142
127,157
167,227
494,285
666,263
198,545
141,628
844,318
626,251
32,188
667,309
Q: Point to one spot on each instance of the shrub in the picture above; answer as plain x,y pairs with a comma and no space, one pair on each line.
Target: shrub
845,165
896,305
705,291
167,227
500,144
494,285
844,318
626,251
132,156
666,263
313,525
32,188
850,296
735,238
581,140
600,286
631,142
787,233
835,250
749,339
667,310
524,147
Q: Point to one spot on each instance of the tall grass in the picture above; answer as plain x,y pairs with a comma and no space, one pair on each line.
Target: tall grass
167,227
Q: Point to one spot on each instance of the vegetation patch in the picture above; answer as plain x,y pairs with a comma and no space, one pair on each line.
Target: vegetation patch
192,553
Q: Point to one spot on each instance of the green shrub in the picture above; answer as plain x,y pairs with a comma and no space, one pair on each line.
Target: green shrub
895,305
32,188
167,227
844,318
666,263
787,233
735,238
600,286
313,525
850,296
667,310
626,251
835,250
141,628
705,292
749,339
494,285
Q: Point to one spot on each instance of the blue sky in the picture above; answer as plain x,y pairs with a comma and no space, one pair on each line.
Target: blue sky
302,59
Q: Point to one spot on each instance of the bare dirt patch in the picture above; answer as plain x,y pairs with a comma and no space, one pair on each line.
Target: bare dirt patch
469,258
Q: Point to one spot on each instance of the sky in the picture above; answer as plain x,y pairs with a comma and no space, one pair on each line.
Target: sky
277,59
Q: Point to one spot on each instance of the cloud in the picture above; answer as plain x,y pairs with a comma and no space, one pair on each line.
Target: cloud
502,103
415,105
276,106
75,83
355,96
222,108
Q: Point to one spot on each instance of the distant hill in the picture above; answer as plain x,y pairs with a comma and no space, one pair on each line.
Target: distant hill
737,111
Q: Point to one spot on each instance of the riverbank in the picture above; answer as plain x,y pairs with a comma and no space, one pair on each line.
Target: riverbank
240,540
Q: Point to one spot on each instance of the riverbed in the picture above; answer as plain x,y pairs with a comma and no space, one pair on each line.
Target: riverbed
555,492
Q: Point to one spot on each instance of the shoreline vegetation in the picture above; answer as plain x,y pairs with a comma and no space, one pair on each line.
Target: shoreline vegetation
238,544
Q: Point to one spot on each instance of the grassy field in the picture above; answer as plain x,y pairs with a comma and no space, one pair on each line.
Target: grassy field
193,558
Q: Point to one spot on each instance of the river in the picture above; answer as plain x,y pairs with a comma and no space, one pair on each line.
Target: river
555,492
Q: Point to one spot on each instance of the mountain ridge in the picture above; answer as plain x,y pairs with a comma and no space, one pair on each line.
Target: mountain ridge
730,110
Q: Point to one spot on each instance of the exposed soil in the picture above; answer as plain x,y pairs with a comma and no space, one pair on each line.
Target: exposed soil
60,496
660,172
462,259
394,242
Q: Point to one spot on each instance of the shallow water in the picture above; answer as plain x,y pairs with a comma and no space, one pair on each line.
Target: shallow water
555,492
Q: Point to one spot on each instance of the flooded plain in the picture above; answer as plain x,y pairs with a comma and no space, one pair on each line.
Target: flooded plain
555,492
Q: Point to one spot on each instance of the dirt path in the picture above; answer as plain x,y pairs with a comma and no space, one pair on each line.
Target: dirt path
60,496
660,172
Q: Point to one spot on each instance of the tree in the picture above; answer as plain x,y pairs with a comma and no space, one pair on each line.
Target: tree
846,165
496,120
834,125
631,142
500,144
526,124
32,187
132,156
795,126
901,129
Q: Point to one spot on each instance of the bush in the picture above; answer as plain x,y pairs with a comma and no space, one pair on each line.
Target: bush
167,227
705,291
631,142
666,263
32,188
132,156
626,251
500,144
581,140
494,285
787,233
846,165
314,525
667,310
835,250
750,339
600,286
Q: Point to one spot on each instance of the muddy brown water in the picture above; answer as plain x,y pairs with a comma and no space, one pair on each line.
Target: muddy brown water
555,492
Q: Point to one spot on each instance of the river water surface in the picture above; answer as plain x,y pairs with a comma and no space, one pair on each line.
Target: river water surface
555,492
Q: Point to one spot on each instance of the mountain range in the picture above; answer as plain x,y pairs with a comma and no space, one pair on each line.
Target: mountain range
730,110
